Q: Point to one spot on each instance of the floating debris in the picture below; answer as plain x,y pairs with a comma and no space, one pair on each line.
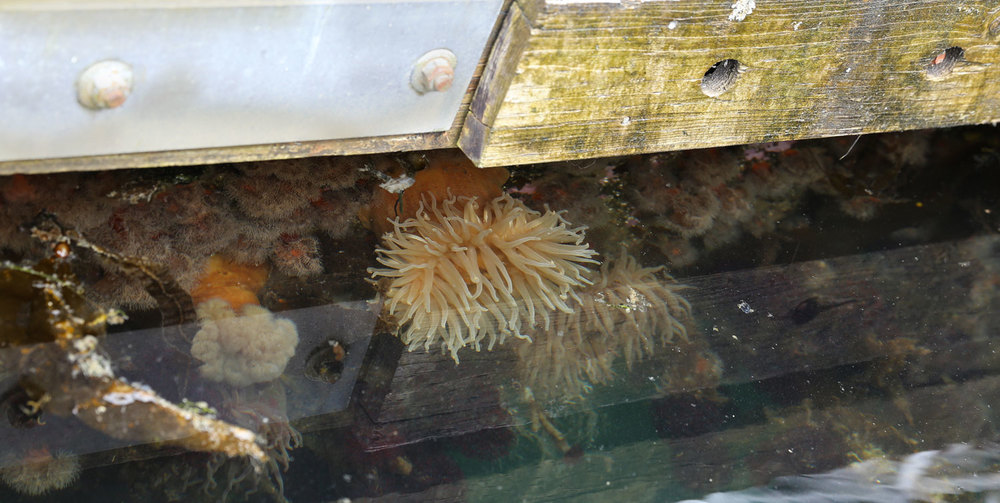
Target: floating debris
63,371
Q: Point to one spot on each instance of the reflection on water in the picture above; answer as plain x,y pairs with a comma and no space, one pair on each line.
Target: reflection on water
923,476
369,327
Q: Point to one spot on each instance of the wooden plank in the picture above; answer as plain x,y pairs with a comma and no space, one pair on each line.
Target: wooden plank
430,397
501,65
794,441
598,79
929,306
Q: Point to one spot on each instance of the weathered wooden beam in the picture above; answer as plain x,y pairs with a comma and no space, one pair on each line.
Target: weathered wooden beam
570,80
925,309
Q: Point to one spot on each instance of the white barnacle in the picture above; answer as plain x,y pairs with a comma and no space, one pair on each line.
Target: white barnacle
87,361
85,344
119,398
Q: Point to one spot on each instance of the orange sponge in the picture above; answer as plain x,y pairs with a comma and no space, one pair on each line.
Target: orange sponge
235,283
445,171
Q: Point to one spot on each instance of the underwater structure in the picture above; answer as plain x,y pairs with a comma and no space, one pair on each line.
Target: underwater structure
498,251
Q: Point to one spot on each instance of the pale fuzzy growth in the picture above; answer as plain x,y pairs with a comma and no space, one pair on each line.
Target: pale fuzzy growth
273,190
906,149
628,311
679,252
41,472
116,288
269,199
457,275
254,242
298,257
724,232
862,208
692,211
338,211
713,167
243,349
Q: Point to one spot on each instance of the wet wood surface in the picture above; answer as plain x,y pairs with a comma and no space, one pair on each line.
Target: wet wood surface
574,80
914,315
809,438
796,441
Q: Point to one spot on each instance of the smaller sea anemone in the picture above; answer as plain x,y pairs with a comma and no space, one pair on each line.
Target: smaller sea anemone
242,349
41,472
639,306
555,364
628,311
459,274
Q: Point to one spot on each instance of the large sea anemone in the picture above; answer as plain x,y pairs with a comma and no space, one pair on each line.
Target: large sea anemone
461,273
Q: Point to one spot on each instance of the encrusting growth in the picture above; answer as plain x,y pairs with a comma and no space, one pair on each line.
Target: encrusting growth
243,348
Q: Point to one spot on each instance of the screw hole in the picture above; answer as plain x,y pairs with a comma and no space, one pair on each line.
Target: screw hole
942,64
720,77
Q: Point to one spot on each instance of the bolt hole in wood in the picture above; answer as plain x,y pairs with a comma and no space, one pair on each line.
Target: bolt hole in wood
721,77
943,64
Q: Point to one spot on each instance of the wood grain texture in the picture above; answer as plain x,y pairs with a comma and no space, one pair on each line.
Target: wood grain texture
796,440
931,306
577,80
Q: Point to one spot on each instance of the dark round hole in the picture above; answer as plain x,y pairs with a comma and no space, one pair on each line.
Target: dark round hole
942,64
720,77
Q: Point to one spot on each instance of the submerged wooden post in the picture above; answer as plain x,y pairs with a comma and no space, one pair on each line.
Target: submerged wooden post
570,80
